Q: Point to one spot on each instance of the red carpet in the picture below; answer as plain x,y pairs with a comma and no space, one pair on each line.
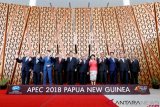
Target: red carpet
54,100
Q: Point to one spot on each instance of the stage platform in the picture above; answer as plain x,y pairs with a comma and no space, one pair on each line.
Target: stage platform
148,100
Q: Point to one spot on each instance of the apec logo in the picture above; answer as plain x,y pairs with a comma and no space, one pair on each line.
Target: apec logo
16,88
141,89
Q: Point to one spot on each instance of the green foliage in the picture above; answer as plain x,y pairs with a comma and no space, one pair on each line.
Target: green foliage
3,81
155,81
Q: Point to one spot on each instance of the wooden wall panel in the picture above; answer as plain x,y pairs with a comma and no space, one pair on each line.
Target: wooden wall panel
145,18
115,28
98,31
112,31
147,24
82,29
131,40
157,18
47,29
14,37
30,41
65,36
3,17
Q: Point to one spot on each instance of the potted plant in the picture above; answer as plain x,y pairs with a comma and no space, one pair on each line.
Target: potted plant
3,83
155,83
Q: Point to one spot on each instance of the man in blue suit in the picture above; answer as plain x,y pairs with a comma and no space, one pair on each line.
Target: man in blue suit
83,69
71,68
37,68
26,66
112,67
48,67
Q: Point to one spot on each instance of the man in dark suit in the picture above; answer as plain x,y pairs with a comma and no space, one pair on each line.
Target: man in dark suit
124,69
102,68
135,69
41,73
26,66
37,68
71,68
83,69
112,67
65,69
48,67
58,67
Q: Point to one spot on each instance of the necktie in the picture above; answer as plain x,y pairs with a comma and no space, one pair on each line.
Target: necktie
36,60
113,59
122,59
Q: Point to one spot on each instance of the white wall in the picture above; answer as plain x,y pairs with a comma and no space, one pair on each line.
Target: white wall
78,3
21,2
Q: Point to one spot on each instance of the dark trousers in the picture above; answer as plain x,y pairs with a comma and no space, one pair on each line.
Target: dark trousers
124,77
113,77
76,76
134,77
83,76
58,77
103,77
41,78
36,78
65,76
70,77
25,77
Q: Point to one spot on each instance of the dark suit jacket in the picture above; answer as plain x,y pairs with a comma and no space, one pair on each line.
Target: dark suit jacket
102,66
26,65
112,65
84,67
134,66
123,66
58,66
72,65
37,66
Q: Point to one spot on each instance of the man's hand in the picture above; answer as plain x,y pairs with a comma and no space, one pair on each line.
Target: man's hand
38,56
129,72
16,56
48,65
80,61
30,59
